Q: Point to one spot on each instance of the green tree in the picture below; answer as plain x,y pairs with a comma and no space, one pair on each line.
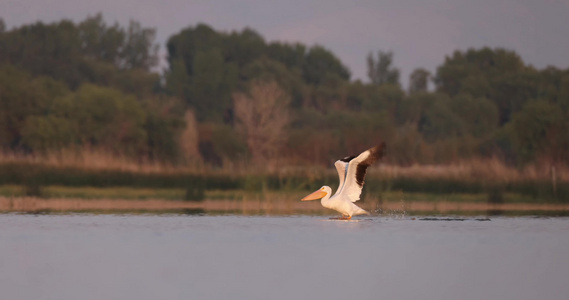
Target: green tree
563,99
94,116
479,116
130,48
290,80
139,50
419,80
384,97
495,74
540,130
439,122
320,64
292,56
548,83
178,79
22,96
163,126
243,47
411,108
184,46
329,95
90,51
407,146
380,70
100,41
50,50
42,133
211,85
228,143
204,71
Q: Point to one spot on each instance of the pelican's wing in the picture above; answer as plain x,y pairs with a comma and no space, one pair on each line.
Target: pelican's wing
341,166
354,181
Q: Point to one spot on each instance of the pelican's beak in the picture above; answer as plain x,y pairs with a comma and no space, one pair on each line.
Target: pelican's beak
314,196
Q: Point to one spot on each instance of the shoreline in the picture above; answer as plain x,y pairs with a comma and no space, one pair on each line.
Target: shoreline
33,204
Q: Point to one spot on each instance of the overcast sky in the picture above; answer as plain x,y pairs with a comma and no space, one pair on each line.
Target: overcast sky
420,33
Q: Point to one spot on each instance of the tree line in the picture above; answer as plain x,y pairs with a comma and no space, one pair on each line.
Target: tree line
233,97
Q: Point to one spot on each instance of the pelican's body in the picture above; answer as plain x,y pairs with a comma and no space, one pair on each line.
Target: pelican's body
340,204
351,171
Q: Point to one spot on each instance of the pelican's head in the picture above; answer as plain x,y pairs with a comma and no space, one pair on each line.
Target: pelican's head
321,193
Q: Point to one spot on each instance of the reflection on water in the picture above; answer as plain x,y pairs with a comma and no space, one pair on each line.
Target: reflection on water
399,209
86,256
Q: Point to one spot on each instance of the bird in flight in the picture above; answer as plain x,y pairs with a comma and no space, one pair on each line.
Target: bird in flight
351,171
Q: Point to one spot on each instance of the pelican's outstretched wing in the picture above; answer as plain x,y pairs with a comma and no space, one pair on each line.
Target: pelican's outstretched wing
355,175
341,166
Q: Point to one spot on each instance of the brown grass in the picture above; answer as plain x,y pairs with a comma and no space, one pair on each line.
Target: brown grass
475,169
89,158
467,170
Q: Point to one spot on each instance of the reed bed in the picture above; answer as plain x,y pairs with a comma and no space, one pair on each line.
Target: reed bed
472,169
478,169
100,169
92,159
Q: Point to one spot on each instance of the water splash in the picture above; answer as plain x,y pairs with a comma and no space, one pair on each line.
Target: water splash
395,213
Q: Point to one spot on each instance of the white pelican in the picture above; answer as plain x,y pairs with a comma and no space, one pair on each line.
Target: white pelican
352,171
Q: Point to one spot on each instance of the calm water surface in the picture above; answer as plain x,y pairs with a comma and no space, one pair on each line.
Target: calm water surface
85,256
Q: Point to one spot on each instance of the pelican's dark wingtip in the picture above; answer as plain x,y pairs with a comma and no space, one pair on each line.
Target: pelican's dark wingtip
348,158
375,154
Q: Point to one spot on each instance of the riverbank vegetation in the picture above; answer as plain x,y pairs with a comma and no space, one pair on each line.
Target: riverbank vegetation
81,104
490,178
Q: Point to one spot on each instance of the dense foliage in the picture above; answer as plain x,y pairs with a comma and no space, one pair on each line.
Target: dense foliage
66,85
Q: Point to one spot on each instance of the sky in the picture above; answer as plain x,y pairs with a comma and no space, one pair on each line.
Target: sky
419,33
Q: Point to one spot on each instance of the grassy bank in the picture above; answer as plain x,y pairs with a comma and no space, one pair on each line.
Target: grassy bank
541,182
276,204
489,179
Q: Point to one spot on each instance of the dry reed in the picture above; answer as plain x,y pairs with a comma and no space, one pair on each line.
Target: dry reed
91,159
475,170
465,170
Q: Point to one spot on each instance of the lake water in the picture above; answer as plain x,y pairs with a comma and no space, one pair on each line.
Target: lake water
88,256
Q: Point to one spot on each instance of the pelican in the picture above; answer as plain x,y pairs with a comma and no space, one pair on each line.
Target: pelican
351,171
